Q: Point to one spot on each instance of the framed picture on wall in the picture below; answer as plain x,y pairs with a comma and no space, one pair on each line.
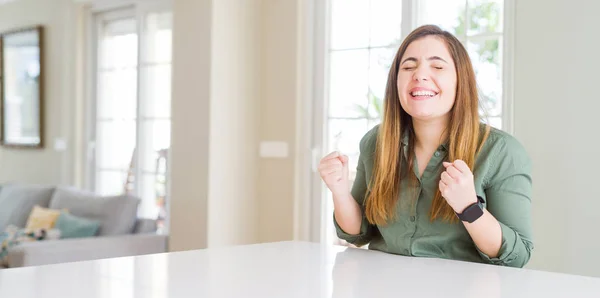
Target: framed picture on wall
21,88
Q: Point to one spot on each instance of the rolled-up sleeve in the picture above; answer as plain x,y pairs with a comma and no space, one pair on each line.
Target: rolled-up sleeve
509,201
359,192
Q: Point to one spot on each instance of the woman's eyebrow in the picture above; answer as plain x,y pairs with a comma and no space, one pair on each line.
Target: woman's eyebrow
409,59
436,58
413,59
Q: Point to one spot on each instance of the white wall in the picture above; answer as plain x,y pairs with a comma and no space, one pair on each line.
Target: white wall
190,107
47,165
249,55
234,109
278,118
215,110
556,114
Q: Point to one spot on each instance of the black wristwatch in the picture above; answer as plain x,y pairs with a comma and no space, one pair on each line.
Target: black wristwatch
473,211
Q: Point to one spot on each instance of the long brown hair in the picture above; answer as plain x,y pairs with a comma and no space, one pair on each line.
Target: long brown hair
464,137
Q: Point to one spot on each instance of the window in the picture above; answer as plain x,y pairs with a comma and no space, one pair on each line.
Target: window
363,39
132,127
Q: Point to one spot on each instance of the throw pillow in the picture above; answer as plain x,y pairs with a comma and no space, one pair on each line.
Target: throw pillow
42,218
72,226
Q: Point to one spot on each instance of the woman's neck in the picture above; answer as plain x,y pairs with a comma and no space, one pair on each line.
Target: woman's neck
430,134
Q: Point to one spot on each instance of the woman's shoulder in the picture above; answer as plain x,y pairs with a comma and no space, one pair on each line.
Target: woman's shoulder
368,142
504,151
503,141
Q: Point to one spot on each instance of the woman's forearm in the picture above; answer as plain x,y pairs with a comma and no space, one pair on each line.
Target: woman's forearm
347,213
486,233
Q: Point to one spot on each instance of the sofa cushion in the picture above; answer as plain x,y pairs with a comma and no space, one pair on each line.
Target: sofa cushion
17,201
116,214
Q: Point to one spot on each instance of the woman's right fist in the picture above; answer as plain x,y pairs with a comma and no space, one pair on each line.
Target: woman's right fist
333,169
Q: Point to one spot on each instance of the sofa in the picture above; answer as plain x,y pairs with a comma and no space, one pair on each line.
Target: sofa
120,233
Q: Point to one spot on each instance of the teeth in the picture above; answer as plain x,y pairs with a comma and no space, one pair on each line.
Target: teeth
423,93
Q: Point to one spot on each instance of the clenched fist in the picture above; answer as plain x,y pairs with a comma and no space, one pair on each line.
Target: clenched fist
334,172
457,185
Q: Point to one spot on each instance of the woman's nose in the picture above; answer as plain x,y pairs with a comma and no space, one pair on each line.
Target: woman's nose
420,74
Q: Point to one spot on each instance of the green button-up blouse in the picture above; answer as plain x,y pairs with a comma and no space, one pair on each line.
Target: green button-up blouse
502,177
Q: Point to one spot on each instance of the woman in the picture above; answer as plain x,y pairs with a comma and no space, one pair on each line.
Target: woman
432,180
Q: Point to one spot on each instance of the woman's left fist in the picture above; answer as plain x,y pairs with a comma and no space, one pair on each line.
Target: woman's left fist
457,185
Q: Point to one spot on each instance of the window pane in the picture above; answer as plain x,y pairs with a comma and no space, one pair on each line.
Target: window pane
345,136
115,142
109,183
485,16
156,90
118,44
148,205
373,123
155,105
349,24
117,94
448,14
156,137
158,37
348,83
379,67
385,18
493,121
486,57
128,122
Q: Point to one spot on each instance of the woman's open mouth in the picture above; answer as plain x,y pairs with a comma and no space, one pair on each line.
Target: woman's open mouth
423,94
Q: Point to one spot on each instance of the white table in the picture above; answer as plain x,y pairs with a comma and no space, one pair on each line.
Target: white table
287,269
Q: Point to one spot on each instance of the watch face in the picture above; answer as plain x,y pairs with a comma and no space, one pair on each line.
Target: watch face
472,213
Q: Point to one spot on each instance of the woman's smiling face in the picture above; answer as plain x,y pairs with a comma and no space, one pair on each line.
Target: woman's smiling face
427,79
